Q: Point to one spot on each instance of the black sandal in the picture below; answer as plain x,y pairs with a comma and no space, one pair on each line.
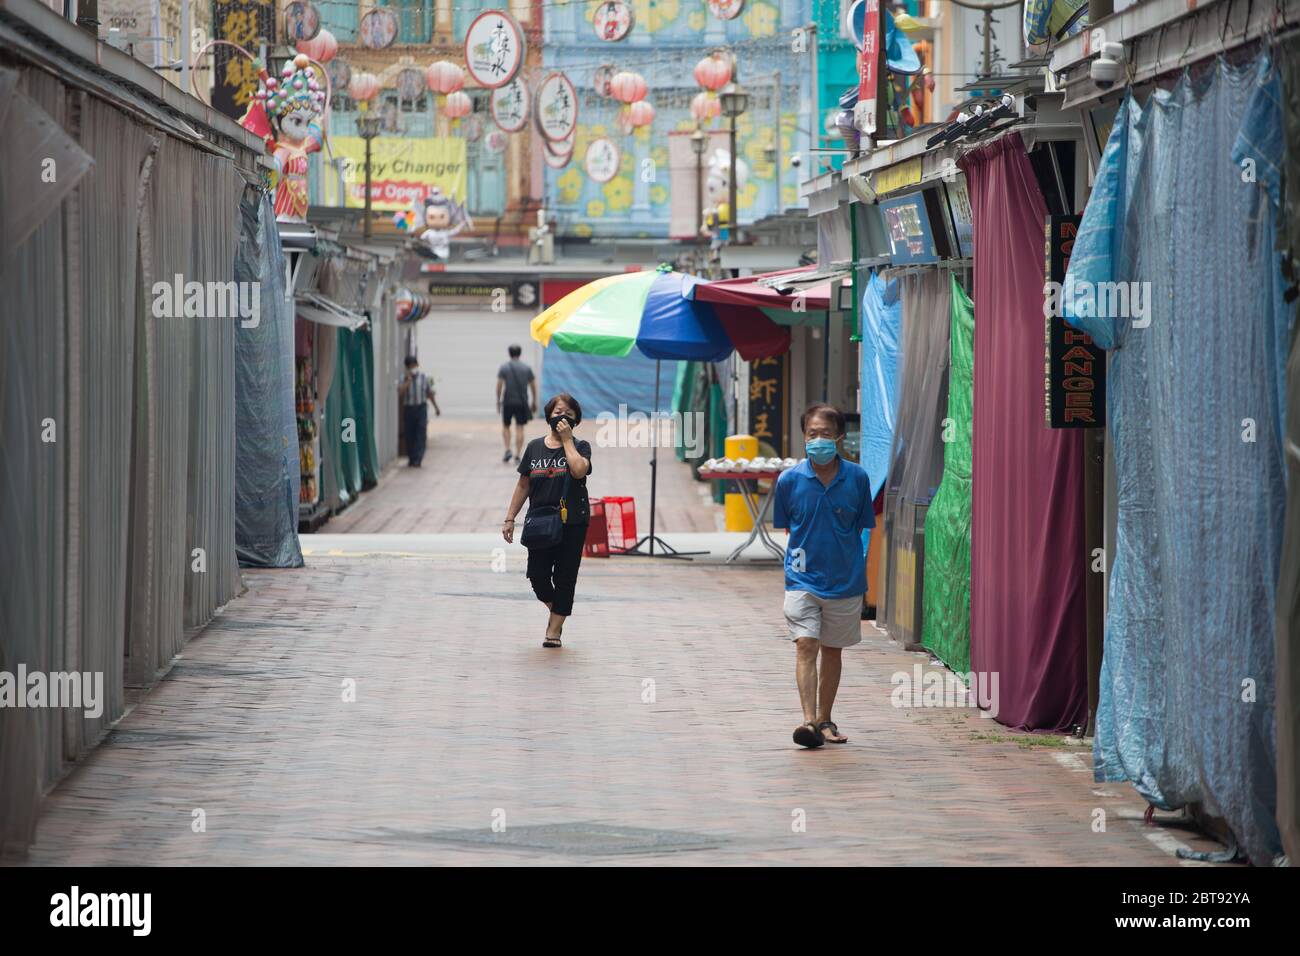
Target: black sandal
552,642
807,735
834,732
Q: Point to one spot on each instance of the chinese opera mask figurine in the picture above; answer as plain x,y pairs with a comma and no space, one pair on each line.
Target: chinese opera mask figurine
286,112
435,220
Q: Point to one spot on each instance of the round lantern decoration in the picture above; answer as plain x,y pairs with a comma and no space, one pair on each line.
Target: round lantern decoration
640,113
628,87
601,80
410,84
705,107
444,77
378,28
301,22
509,105
457,104
363,87
322,48
613,20
556,110
496,141
713,72
494,49
601,161
726,9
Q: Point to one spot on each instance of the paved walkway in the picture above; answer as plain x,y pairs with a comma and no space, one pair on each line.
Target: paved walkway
464,486
662,727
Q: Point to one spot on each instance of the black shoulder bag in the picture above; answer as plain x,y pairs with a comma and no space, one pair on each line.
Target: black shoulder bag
544,524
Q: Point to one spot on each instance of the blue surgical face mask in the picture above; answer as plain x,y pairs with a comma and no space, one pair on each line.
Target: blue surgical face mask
821,450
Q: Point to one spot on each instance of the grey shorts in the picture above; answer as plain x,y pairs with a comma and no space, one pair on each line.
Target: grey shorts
835,622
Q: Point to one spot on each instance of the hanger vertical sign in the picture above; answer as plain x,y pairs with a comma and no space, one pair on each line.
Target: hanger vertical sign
1074,366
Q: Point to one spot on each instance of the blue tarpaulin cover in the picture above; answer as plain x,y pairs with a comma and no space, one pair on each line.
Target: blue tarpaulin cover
882,317
1194,395
601,383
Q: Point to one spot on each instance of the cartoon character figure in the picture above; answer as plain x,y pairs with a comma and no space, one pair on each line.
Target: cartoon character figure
436,221
286,112
717,192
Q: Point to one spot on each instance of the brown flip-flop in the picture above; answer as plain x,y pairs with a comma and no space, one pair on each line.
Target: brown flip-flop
807,735
834,732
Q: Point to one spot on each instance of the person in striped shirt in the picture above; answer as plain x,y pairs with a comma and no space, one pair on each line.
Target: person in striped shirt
415,390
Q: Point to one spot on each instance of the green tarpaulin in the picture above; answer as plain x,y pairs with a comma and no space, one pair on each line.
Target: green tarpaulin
945,629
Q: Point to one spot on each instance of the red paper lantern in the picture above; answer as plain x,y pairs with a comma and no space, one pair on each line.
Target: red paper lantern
628,87
444,77
713,72
705,107
458,104
640,113
321,48
364,87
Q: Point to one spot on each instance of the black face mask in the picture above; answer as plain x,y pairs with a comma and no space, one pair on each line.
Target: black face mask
555,420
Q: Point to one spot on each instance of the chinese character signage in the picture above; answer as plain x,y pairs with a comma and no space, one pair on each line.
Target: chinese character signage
494,49
510,105
869,73
248,23
1074,368
768,380
557,108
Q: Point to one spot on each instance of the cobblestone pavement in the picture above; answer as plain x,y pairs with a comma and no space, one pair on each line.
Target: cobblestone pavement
660,733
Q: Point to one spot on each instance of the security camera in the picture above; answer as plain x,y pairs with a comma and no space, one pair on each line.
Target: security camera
796,160
1108,67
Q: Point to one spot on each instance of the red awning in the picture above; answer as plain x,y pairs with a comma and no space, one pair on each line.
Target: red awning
766,291
754,335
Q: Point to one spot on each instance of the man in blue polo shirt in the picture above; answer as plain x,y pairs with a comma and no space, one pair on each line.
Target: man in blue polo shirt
825,501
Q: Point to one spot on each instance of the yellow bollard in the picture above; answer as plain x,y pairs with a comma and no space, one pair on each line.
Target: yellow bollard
737,515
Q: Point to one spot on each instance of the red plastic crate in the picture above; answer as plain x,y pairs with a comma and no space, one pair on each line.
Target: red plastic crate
597,541
620,517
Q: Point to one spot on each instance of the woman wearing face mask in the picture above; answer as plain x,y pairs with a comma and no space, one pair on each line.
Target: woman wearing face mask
553,477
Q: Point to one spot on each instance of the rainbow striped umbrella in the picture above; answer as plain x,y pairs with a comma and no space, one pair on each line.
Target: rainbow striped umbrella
643,309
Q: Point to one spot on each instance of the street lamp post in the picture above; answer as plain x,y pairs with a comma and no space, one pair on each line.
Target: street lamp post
368,124
698,143
735,100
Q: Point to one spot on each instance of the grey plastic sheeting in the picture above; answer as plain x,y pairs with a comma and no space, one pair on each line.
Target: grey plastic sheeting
1187,691
267,472
116,425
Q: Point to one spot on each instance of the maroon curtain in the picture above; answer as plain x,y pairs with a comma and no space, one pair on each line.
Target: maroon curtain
1028,614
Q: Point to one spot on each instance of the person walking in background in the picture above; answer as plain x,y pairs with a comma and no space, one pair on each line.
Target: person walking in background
553,479
416,389
825,501
515,382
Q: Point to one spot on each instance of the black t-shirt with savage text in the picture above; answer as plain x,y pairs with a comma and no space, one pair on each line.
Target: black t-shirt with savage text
545,468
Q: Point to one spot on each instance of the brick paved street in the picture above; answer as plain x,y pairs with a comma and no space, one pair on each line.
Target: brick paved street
461,716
